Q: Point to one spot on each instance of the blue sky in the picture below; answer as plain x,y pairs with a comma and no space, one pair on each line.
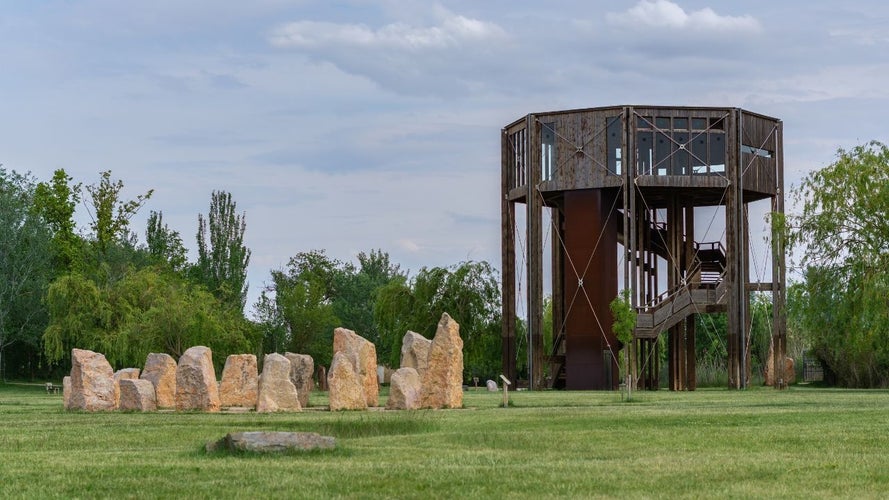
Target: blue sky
357,125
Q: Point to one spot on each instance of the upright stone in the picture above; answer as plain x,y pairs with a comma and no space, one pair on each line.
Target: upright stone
123,374
92,382
240,382
443,382
346,391
137,395
66,391
415,352
491,385
302,368
160,370
789,371
276,391
404,390
196,387
363,355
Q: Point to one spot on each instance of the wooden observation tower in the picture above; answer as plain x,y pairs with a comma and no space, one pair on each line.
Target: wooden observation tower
622,194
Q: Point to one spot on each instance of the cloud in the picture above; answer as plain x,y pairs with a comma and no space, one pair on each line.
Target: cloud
451,54
663,14
408,245
453,31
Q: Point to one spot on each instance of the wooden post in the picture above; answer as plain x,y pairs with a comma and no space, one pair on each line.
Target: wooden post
779,316
535,257
506,384
507,247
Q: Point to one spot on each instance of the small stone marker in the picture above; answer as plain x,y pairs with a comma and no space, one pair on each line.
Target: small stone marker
506,384
271,442
492,386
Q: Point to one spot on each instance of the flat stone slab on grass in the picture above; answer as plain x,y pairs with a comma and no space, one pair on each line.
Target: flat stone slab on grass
272,442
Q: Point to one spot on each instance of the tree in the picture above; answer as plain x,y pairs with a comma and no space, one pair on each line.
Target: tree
145,311
842,234
110,215
624,324
222,256
164,244
356,293
468,291
55,202
302,317
25,265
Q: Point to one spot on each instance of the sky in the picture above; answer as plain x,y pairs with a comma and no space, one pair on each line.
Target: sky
358,125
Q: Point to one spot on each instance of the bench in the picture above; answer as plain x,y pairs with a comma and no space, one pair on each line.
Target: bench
52,388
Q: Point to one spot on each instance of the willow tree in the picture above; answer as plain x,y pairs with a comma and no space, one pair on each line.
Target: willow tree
842,233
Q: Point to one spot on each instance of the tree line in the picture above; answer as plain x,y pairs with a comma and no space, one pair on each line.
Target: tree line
104,288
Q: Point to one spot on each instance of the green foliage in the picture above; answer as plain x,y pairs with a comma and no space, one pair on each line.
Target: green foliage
356,292
624,317
111,215
56,202
469,292
164,244
301,317
222,256
146,311
25,265
843,235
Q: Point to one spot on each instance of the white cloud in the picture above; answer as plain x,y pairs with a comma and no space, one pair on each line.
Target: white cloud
408,245
451,32
668,15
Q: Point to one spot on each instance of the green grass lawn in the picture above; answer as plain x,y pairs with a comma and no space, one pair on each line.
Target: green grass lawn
803,442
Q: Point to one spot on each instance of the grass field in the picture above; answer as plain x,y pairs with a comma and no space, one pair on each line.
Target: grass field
711,443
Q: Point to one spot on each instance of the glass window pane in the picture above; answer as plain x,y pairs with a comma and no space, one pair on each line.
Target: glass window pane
680,158
662,122
662,150
699,123
613,144
644,152
717,152
680,123
643,122
699,154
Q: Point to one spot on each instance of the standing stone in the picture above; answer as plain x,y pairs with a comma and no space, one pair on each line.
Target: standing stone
363,355
491,385
415,352
346,389
123,374
160,370
196,387
239,386
66,392
443,382
92,382
789,371
137,394
276,391
302,368
404,390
